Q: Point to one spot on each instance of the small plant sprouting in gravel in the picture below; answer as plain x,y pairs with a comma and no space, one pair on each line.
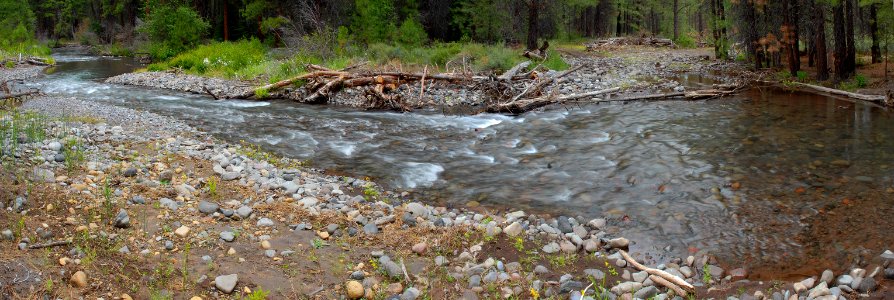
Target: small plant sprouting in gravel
706,274
317,243
519,244
212,186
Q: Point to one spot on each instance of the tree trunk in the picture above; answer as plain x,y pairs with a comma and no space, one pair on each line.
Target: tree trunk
533,7
791,36
840,53
873,31
226,21
822,65
724,43
851,62
676,20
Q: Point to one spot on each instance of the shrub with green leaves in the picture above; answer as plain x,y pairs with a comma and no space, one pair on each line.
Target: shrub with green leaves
173,29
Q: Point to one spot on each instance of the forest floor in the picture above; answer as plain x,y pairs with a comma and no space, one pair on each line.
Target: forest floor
101,201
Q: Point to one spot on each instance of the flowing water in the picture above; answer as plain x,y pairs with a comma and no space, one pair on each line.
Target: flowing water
748,177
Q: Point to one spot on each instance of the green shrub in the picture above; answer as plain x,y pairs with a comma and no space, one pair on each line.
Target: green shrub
860,81
411,33
172,30
802,76
373,20
685,41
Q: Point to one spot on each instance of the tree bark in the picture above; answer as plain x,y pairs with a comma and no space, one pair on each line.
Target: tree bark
840,52
822,64
851,62
533,26
791,38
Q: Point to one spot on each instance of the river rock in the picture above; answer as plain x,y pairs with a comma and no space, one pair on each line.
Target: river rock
122,220
513,229
551,248
597,223
626,287
226,283
845,280
391,268
229,176
564,225
354,289
78,279
244,212
868,285
182,231
55,146
265,222
410,294
130,172
646,293
888,254
827,277
227,236
420,248
618,243
820,290
418,210
43,175
208,208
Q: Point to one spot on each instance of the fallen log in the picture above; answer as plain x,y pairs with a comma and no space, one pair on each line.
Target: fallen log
524,105
881,99
37,62
537,87
207,91
512,72
659,273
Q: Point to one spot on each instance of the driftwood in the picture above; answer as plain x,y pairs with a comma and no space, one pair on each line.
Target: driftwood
50,244
628,41
677,281
524,105
716,92
676,288
880,99
537,87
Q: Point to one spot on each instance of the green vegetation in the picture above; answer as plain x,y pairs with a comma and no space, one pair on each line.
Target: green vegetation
173,29
220,59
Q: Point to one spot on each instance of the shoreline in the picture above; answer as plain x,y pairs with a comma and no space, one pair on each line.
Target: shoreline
409,227
642,71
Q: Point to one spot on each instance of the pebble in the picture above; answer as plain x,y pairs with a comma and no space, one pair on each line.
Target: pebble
226,283
889,273
420,248
845,280
7,235
551,248
513,229
227,236
618,243
182,231
827,277
265,244
370,229
410,294
208,208
646,293
265,222
78,279
122,220
244,211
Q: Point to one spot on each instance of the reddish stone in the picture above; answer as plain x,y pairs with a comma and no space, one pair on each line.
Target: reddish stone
738,274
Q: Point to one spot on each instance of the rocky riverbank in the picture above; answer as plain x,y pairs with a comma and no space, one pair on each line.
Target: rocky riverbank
638,71
20,72
124,204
